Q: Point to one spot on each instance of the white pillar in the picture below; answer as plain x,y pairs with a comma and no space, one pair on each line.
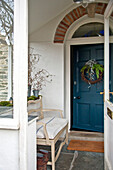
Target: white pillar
21,76
106,58
106,84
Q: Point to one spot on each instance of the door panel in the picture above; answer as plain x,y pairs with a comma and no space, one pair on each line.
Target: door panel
83,116
99,116
88,110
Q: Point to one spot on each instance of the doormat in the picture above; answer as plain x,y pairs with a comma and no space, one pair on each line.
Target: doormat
90,146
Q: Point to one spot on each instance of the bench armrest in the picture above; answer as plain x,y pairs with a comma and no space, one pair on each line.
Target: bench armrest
45,130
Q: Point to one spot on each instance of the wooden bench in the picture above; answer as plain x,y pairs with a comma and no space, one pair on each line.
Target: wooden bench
50,126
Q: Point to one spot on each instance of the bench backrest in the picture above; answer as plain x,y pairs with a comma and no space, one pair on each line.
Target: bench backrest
35,107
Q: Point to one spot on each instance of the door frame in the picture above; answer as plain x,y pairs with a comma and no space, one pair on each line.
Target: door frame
75,41
67,63
71,94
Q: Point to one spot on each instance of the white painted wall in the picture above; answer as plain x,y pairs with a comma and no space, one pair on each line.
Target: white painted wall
9,153
52,60
9,148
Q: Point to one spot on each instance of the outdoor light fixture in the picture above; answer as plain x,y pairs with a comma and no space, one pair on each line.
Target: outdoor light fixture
77,1
83,1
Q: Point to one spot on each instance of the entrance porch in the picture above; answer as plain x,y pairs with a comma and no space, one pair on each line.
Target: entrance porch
50,34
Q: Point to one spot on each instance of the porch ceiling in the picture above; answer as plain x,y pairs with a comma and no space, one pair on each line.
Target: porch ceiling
42,11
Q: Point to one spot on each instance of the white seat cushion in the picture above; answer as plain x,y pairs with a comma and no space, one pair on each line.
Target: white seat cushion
53,125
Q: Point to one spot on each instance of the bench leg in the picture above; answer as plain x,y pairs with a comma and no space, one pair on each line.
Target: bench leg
53,155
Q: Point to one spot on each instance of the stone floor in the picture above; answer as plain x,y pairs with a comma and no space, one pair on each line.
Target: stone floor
77,160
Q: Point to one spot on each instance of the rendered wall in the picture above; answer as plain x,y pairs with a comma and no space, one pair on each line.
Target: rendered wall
52,60
9,148
9,153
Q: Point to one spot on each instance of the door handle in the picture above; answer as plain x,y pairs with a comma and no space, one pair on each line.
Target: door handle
78,97
109,92
104,94
101,92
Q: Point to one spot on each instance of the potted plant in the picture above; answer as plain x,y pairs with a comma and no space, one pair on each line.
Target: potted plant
39,80
92,72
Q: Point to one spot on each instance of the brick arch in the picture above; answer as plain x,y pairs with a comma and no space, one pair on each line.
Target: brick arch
73,16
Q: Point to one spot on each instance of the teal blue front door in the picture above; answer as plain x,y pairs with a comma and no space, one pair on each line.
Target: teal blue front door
87,103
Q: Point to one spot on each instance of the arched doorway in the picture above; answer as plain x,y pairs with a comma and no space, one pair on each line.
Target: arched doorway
87,105
64,32
69,41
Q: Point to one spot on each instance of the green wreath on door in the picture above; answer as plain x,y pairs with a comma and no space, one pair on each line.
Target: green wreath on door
92,72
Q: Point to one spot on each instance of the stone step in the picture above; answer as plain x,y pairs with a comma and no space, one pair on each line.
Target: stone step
90,136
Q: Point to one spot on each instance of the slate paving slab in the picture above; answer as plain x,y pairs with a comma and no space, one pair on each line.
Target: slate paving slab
84,161
89,161
63,162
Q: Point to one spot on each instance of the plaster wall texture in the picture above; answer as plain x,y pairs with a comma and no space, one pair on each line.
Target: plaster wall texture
10,148
9,154
52,60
